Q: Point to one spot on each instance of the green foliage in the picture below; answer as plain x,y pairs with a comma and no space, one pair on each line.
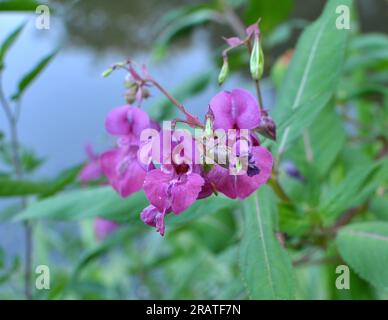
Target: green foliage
331,114
355,188
180,21
364,246
18,5
30,76
312,76
265,266
87,203
8,42
270,12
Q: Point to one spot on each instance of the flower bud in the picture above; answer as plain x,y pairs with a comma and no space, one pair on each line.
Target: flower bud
107,72
130,95
267,126
257,60
224,72
209,120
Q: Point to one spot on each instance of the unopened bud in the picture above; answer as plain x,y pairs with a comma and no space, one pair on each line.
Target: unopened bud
224,72
209,120
107,72
130,95
145,93
257,60
267,126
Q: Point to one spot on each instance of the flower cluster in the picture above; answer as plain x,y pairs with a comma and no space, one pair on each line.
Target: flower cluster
175,167
174,180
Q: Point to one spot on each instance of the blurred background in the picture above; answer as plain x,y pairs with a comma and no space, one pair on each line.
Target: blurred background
65,107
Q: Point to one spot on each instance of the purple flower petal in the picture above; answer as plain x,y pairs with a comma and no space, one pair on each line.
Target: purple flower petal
253,29
154,218
241,186
185,193
124,172
156,188
91,171
235,110
168,189
233,42
127,120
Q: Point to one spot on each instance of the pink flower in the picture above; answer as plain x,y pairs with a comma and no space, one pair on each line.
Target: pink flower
103,228
174,187
127,121
154,218
124,171
171,188
237,109
121,165
242,185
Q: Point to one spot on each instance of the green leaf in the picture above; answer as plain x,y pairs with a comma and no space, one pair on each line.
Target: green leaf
265,266
104,202
325,138
270,12
18,5
354,189
17,188
8,42
313,74
116,238
13,188
368,51
364,246
187,20
86,203
29,160
30,77
64,179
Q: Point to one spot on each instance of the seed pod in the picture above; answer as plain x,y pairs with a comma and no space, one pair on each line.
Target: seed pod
224,72
257,60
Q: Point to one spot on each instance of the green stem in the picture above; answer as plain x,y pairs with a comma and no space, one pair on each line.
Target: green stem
15,148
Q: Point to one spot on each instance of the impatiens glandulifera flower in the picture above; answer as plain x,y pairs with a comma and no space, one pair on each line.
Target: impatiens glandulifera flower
174,168
239,110
127,121
124,171
241,186
121,165
177,184
154,218
173,186
103,227
236,109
